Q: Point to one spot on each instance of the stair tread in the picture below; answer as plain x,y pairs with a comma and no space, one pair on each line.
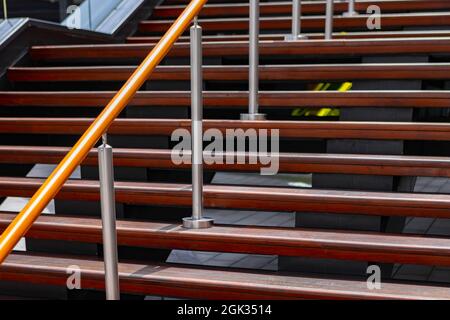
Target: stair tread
362,71
427,19
337,244
191,282
289,162
308,7
311,36
230,99
287,129
242,197
317,48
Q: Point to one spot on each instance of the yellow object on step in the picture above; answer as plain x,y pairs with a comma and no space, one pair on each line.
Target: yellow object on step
323,112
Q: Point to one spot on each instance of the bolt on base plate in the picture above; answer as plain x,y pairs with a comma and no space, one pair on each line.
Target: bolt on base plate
203,223
253,116
350,14
290,37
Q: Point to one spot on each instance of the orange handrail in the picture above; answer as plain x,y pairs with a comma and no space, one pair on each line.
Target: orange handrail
24,220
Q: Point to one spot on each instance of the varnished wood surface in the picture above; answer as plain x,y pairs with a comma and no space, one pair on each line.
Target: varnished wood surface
311,36
233,99
287,129
315,48
323,72
288,162
314,23
308,8
254,198
257,240
207,283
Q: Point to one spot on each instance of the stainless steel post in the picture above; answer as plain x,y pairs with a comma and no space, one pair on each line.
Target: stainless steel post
329,20
296,22
5,10
253,68
351,9
108,206
197,221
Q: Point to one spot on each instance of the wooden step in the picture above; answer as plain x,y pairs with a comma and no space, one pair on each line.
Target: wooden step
323,72
315,48
308,8
234,99
311,36
287,129
374,247
288,162
206,283
254,198
315,23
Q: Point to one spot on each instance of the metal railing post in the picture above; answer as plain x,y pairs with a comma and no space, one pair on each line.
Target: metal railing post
296,22
197,221
108,208
329,20
351,9
253,68
5,10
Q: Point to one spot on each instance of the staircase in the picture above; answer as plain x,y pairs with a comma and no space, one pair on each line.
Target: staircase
358,188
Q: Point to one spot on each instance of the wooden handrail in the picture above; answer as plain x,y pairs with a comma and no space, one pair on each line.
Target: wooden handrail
24,220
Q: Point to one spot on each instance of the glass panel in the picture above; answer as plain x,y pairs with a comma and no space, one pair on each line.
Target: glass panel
90,14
